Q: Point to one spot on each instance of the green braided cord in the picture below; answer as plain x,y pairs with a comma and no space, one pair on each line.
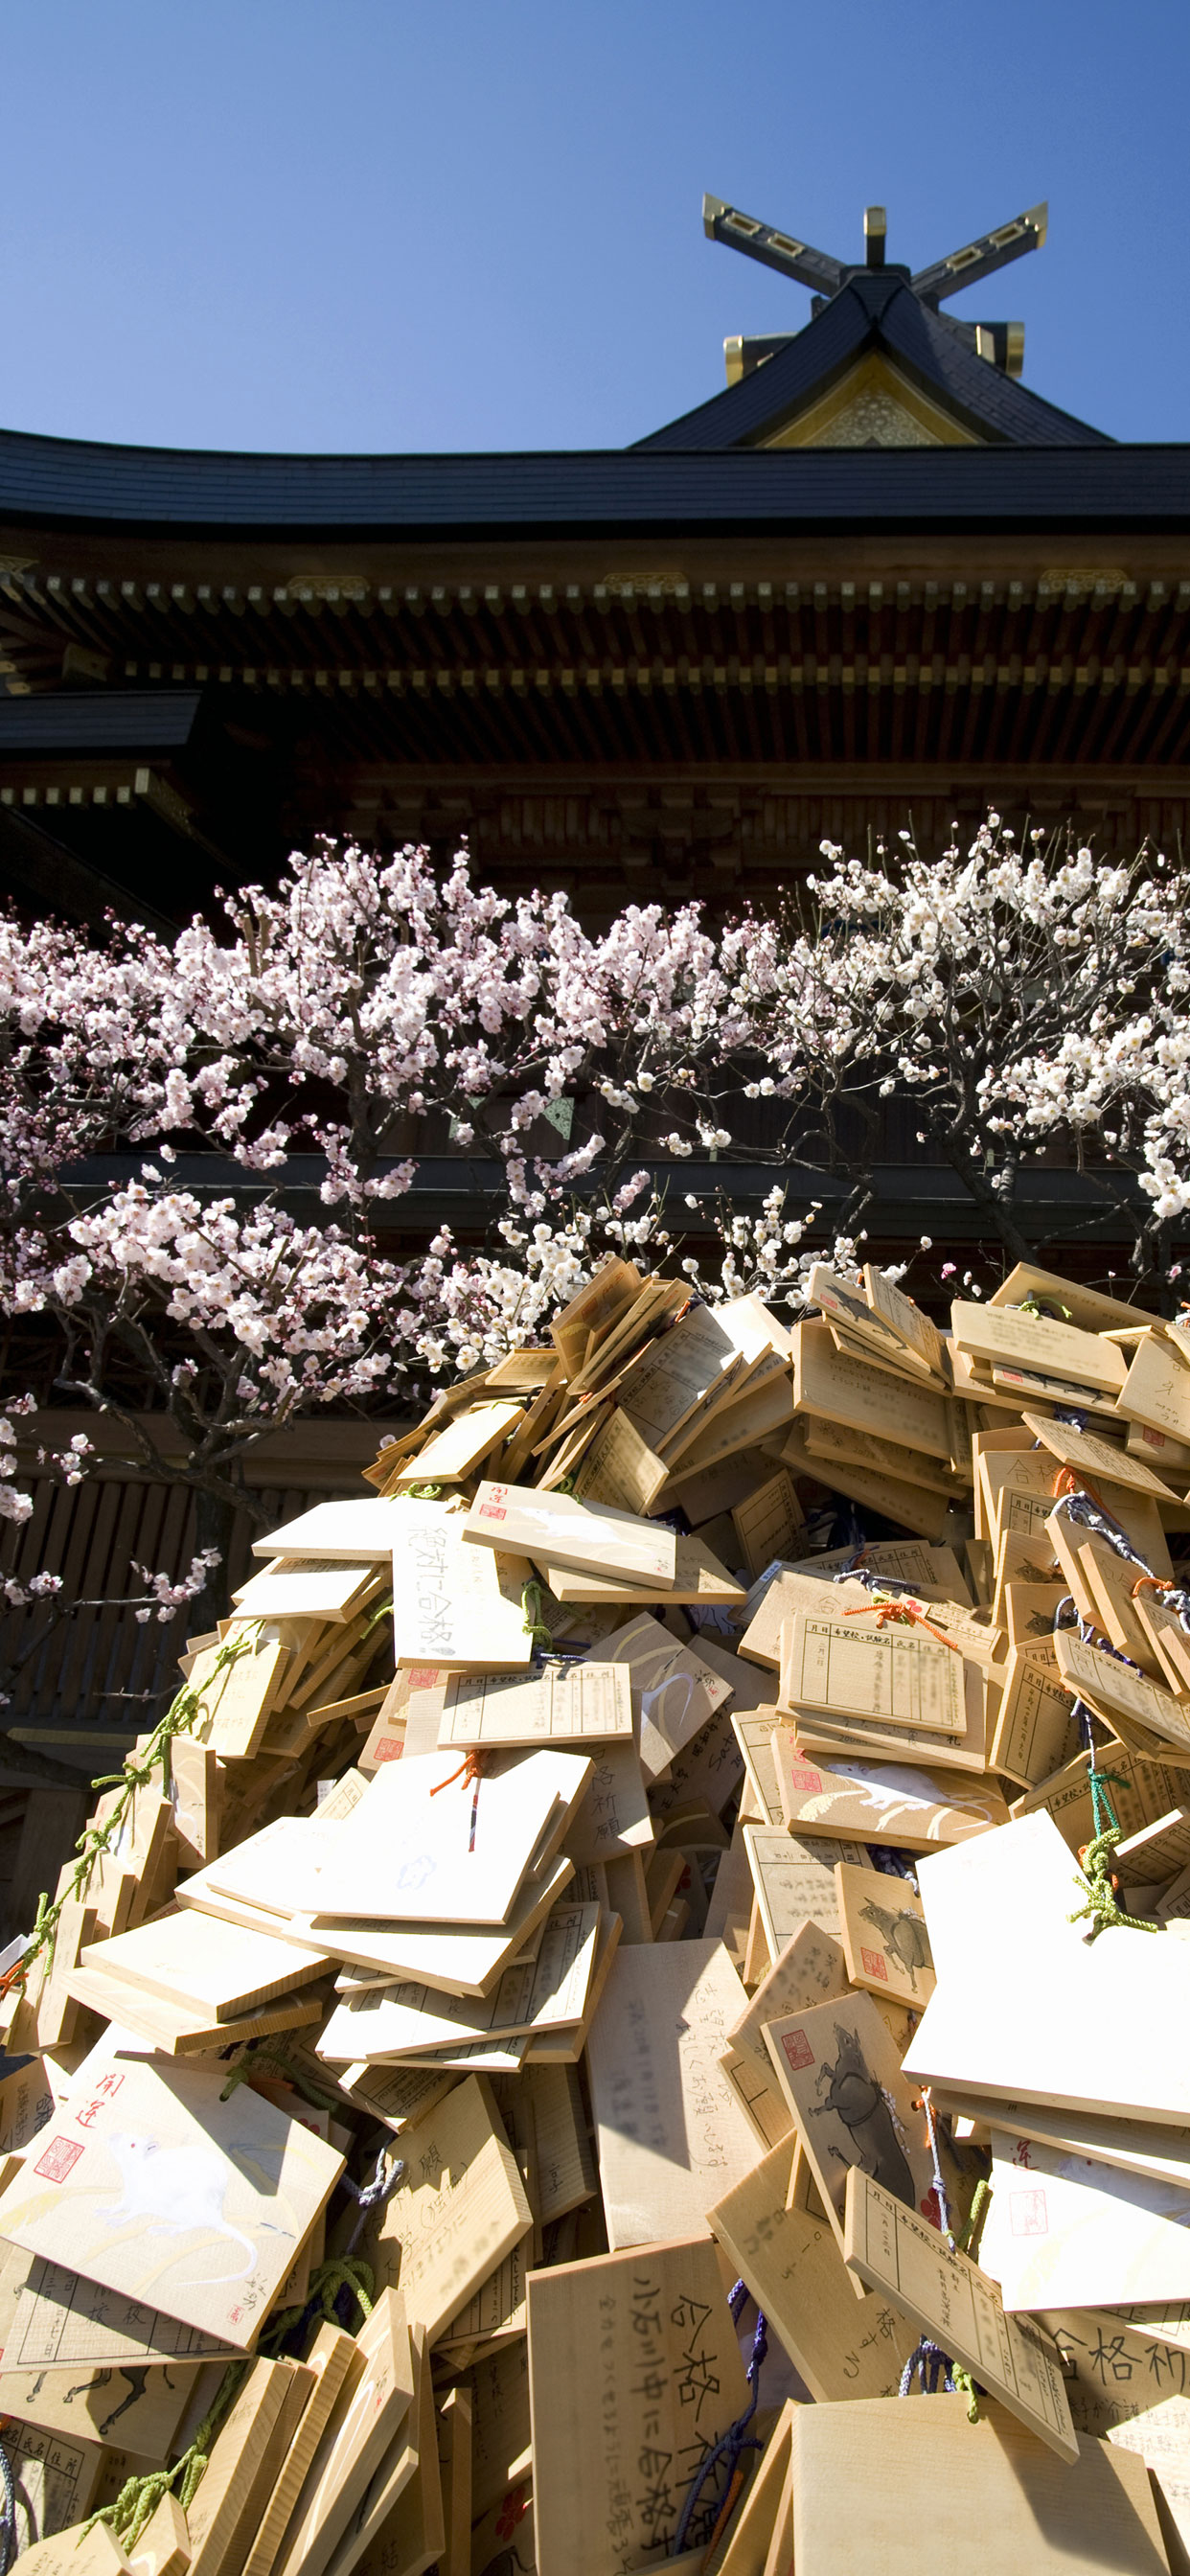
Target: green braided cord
380,1610
96,1840
1043,1311
340,2272
966,2387
139,2498
531,1604
1102,1810
135,2505
273,2061
273,2335
194,2461
421,1493
968,2240
197,2464
1103,1907
344,2272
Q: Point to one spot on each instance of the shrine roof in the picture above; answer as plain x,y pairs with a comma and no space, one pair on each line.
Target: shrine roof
876,310
72,483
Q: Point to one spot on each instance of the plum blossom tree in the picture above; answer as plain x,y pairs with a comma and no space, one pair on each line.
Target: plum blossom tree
368,1010
161,1597
360,1007
364,1007
1021,1002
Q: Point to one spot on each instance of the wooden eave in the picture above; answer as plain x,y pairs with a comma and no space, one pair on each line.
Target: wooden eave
821,639
1086,662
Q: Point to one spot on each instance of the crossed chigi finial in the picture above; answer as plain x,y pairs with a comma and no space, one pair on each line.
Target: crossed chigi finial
1002,342
816,268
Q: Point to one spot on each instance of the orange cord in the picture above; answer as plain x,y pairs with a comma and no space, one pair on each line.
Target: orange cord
903,1614
472,1767
1066,1482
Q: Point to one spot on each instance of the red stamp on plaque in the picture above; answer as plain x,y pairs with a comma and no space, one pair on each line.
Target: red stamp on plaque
805,1779
59,2156
797,2049
389,1749
874,1964
492,1512
423,1676
1027,2212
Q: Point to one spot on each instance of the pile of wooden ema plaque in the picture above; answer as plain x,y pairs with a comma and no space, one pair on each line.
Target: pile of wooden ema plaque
716,1806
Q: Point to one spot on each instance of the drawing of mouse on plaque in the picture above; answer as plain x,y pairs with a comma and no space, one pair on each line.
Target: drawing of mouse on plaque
175,2191
153,2185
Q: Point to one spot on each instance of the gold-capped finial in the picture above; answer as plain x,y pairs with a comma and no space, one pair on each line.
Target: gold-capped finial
875,231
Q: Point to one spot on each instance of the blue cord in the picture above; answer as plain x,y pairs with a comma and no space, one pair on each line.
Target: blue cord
369,2195
939,2179
737,2439
928,2360
8,2515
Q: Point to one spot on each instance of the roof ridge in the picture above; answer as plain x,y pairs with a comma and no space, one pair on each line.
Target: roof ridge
876,308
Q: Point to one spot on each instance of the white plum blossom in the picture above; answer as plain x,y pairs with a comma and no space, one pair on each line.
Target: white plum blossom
266,1085
166,1598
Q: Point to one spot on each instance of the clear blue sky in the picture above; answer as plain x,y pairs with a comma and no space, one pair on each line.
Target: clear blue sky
362,224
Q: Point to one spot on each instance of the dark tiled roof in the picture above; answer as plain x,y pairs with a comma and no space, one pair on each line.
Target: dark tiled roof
986,393
110,720
876,310
66,483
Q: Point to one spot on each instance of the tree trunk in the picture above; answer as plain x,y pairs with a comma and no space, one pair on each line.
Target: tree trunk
214,1523
990,1204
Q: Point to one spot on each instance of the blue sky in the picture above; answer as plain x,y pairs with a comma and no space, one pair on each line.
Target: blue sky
291,224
